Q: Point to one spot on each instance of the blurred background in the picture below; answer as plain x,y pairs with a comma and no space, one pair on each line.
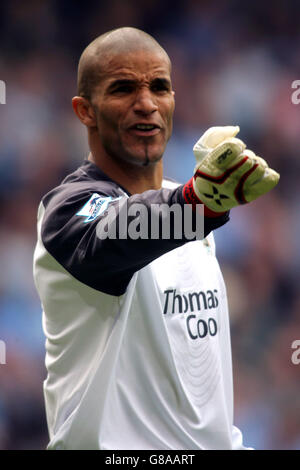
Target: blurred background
233,63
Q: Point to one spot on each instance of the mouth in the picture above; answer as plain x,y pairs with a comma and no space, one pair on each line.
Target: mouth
144,130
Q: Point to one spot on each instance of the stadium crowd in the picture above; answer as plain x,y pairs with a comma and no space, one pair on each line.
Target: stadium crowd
233,64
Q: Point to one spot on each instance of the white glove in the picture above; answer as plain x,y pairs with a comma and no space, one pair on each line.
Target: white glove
227,174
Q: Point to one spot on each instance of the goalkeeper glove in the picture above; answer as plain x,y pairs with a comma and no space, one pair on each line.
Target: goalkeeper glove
227,174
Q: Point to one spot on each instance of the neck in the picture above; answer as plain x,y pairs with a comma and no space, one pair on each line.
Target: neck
135,179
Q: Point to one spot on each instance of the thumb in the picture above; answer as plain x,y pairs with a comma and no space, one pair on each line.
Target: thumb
215,135
211,138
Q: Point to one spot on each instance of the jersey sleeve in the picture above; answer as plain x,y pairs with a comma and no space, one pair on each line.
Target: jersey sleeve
76,219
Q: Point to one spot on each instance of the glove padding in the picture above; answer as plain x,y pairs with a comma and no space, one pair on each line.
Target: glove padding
227,174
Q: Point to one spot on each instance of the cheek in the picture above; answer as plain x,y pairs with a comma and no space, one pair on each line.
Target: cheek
169,115
106,123
169,109
108,118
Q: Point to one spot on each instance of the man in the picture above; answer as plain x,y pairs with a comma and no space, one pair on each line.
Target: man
138,346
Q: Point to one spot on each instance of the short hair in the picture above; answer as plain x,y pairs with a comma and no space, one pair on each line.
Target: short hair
120,40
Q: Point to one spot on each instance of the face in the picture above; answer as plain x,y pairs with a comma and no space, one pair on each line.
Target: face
134,105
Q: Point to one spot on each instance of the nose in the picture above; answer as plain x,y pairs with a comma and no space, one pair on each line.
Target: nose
144,102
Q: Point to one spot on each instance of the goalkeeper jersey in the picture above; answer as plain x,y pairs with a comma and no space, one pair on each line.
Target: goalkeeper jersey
137,333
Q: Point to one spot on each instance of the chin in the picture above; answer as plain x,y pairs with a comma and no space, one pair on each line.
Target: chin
147,158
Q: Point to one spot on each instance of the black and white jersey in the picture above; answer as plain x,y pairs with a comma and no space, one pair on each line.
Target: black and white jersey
137,333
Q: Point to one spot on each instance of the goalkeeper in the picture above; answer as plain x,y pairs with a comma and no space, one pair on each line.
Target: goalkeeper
137,330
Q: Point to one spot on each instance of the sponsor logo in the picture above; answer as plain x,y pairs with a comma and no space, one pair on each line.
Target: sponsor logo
181,303
95,206
193,302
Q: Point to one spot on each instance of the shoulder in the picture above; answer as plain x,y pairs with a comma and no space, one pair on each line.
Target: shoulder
86,182
86,192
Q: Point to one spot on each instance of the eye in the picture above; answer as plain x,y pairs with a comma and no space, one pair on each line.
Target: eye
160,86
123,89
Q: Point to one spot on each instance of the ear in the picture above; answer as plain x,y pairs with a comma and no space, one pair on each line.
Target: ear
174,101
84,111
